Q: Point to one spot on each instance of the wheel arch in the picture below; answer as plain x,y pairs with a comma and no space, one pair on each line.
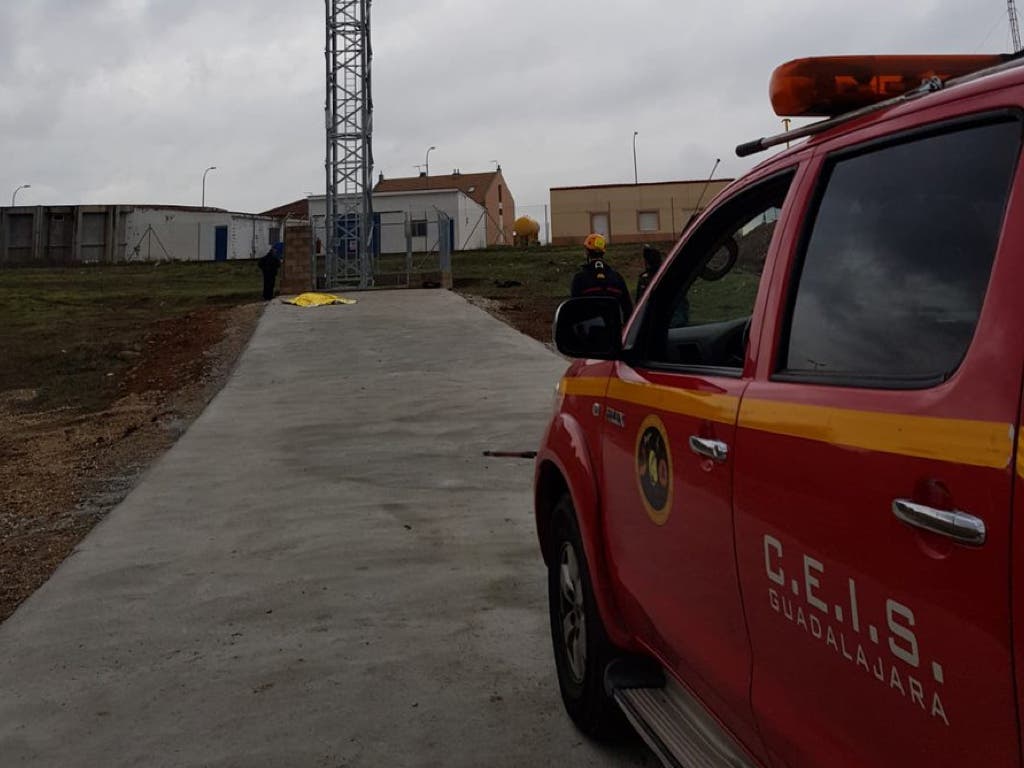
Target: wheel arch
564,466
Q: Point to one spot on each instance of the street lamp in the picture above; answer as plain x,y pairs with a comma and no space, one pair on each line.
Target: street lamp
426,163
15,193
211,168
636,179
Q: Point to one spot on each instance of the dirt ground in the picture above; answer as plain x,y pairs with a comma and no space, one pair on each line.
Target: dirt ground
62,469
532,315
95,393
524,287
64,466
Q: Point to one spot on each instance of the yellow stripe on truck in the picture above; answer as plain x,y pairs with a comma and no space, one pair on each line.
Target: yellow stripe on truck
688,402
961,441
701,405
583,387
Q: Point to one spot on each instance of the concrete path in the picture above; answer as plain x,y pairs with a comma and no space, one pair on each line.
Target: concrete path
324,571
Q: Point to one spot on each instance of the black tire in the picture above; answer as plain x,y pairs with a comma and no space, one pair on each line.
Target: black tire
581,646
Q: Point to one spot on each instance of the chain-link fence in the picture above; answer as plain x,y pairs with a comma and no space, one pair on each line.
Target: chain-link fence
404,253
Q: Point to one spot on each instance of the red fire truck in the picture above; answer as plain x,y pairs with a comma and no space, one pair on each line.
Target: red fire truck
777,504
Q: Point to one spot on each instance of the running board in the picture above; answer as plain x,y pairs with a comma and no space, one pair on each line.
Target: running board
672,722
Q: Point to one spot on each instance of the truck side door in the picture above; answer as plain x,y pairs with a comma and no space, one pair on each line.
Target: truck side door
667,467
889,405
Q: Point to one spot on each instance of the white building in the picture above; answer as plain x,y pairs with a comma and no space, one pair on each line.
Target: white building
191,234
84,234
412,217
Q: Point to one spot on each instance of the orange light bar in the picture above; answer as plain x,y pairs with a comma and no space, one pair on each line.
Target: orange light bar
832,85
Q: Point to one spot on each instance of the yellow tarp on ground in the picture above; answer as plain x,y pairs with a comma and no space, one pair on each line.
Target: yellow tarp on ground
318,300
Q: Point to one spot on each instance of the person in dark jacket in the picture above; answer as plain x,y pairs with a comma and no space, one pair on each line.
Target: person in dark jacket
269,265
597,278
652,261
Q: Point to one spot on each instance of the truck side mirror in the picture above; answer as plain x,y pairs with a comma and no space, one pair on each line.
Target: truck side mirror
589,327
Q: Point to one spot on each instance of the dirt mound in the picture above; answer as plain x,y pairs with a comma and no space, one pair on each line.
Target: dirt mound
62,468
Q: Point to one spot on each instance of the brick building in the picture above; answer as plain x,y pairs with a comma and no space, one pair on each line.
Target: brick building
628,213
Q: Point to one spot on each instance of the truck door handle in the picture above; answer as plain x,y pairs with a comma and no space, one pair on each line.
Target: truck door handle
715,450
961,527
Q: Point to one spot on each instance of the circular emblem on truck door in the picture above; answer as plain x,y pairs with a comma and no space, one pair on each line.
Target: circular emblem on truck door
654,469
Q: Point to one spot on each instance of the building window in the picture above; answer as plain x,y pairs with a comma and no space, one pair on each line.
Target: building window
648,221
599,223
274,235
419,228
499,193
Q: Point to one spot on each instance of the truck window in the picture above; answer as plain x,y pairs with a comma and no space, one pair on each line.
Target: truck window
898,258
699,313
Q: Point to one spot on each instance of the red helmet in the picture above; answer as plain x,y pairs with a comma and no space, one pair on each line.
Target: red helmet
595,243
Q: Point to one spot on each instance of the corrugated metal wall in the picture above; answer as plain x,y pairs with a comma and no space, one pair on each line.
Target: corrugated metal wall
20,239
58,236
92,234
93,238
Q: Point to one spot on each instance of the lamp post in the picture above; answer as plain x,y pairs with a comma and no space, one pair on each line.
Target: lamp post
199,225
426,163
636,179
14,194
211,168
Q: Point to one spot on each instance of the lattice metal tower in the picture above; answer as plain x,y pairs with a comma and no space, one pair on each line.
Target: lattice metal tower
1011,9
349,110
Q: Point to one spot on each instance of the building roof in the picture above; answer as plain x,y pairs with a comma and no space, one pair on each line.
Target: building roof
296,210
644,184
473,185
157,207
192,209
128,208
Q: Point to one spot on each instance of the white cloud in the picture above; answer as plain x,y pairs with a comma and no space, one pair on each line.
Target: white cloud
129,100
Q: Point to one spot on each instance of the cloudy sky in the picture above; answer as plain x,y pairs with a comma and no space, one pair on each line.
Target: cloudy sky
128,101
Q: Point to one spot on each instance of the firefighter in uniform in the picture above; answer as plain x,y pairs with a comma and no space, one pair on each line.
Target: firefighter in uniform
269,265
652,261
597,278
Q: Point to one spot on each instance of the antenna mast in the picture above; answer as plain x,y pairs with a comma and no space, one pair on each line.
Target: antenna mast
1011,9
349,162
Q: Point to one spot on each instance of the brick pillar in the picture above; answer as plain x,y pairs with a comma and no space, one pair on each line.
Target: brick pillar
296,271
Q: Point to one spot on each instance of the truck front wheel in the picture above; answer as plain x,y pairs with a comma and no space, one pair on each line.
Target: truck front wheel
581,646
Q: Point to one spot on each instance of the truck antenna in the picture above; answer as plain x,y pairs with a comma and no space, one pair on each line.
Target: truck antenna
696,208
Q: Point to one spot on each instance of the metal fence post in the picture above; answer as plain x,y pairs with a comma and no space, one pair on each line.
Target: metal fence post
408,249
444,247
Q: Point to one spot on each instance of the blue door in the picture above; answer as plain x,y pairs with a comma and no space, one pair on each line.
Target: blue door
220,252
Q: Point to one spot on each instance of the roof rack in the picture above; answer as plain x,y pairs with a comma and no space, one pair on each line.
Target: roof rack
929,85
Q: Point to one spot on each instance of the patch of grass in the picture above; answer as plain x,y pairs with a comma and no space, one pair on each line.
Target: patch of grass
529,285
727,299
62,331
543,272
